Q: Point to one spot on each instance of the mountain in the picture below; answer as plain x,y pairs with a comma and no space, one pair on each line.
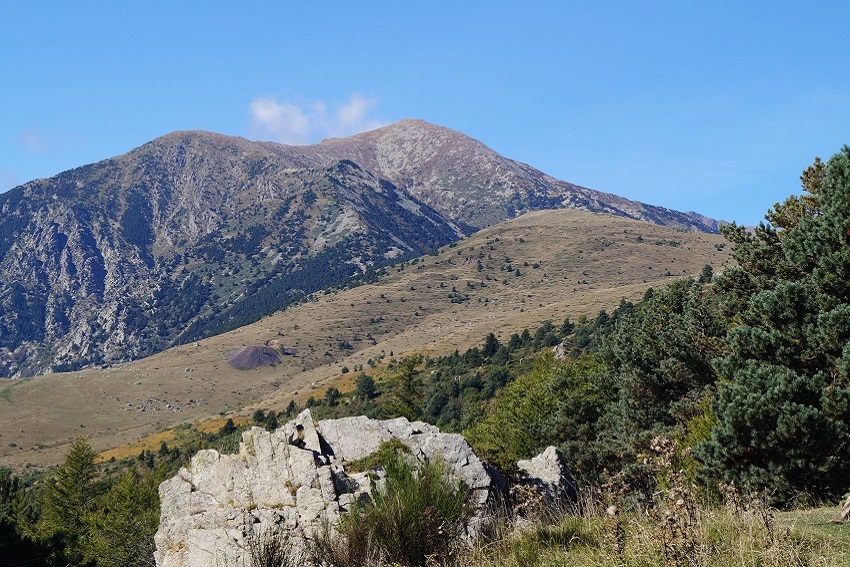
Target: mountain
196,233
471,184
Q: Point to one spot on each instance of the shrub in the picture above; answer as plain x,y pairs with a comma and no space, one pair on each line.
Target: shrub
417,515
268,547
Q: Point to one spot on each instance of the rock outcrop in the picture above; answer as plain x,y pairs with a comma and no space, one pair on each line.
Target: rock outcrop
560,350
550,475
293,479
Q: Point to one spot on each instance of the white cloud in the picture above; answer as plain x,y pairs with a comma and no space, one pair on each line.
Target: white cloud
351,117
8,179
309,122
33,140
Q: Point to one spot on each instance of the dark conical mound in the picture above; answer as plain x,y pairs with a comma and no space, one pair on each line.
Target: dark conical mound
249,357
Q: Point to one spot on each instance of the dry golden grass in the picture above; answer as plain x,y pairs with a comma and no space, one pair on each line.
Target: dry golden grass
718,539
585,262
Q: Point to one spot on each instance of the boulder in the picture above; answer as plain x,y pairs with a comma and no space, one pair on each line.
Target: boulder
561,350
545,482
293,480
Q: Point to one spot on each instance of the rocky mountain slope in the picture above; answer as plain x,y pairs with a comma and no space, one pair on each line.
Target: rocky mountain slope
196,233
464,179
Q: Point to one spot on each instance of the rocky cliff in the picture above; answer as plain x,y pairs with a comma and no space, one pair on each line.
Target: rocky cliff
296,481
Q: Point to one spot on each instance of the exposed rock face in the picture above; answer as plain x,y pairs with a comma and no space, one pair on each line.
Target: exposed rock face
559,351
291,479
181,238
471,184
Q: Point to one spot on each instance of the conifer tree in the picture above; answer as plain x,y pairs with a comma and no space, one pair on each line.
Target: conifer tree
783,409
121,530
68,497
491,345
408,402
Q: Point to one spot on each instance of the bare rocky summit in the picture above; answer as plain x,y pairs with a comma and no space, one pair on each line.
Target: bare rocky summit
470,183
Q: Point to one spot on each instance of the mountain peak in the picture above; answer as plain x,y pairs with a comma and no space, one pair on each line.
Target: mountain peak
400,127
223,227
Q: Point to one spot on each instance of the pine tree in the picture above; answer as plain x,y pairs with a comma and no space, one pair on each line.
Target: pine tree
121,530
68,497
491,345
783,410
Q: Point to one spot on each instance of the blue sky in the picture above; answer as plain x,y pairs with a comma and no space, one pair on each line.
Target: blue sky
707,106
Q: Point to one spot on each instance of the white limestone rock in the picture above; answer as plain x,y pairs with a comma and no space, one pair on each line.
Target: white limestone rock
294,480
549,472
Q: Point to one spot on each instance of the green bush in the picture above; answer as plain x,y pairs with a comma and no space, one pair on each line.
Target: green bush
417,514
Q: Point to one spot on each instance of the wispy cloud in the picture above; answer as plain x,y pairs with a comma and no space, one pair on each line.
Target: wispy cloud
8,179
292,123
33,141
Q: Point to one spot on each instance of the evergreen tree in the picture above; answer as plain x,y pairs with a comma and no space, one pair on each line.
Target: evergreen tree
658,358
332,396
228,428
545,335
567,328
292,408
491,345
407,400
365,385
514,342
783,412
15,547
271,421
67,499
122,527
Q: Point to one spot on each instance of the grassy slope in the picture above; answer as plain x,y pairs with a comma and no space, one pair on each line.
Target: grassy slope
713,536
586,262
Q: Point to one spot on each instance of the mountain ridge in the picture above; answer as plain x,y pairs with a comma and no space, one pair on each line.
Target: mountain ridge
195,233
373,150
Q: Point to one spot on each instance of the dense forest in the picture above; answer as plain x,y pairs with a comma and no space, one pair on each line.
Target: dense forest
745,374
